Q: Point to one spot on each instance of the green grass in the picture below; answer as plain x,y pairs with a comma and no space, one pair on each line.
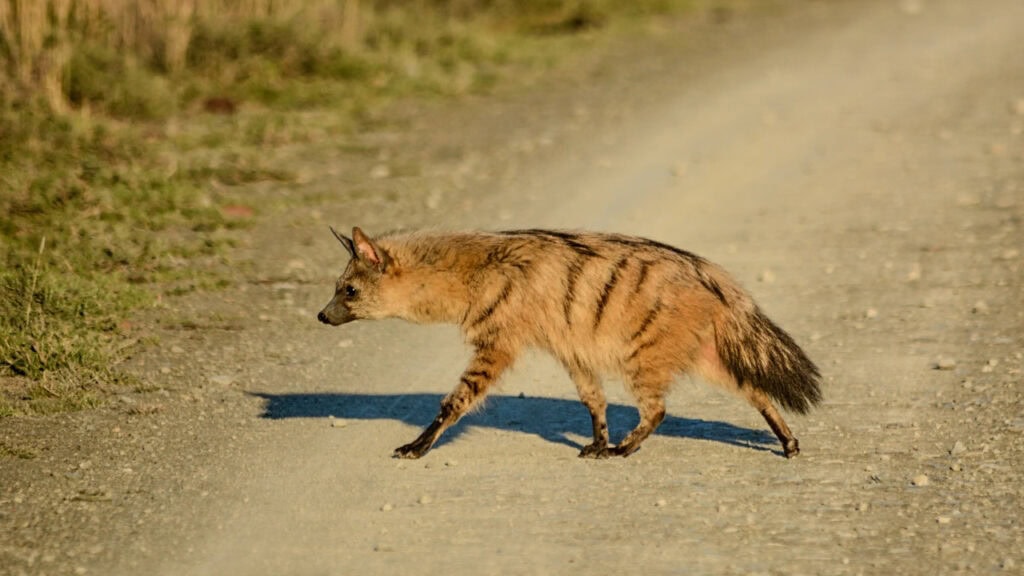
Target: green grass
114,191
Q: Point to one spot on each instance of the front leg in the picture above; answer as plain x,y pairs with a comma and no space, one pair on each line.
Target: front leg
483,371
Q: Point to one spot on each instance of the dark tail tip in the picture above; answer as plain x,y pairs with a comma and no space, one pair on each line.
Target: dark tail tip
758,352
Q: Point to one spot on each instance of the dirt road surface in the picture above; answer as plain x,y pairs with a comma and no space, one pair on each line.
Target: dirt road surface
859,166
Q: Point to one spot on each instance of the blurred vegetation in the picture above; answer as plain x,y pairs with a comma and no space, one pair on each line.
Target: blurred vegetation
100,212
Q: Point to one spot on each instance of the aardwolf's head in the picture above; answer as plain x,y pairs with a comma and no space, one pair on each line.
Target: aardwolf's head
357,292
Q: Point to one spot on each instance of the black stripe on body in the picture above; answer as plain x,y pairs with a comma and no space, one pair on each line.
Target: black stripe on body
606,292
698,263
645,324
636,351
575,270
711,284
506,256
641,277
506,291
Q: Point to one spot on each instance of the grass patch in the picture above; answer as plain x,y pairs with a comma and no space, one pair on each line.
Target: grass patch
95,224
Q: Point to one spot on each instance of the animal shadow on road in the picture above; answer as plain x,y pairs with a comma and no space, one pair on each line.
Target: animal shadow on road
552,419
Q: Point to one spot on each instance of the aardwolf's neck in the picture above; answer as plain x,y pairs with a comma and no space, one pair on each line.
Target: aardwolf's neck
430,282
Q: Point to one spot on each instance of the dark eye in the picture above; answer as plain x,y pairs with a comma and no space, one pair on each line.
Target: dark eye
351,291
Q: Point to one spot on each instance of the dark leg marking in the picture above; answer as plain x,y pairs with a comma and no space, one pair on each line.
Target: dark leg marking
652,412
592,396
483,371
790,445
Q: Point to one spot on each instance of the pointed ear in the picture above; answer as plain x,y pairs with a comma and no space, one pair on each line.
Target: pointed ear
346,242
368,251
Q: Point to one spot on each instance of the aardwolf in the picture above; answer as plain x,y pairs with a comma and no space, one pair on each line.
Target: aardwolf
600,303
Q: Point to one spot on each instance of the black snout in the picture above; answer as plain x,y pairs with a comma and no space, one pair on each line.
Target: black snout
335,315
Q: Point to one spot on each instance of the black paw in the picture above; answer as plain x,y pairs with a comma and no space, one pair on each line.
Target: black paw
623,449
595,451
412,450
792,448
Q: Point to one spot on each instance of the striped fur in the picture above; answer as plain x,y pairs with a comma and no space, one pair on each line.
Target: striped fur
602,304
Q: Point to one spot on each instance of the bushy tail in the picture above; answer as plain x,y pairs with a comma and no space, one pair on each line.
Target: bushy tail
758,353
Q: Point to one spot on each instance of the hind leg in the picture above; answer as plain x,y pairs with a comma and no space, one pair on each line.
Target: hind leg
592,396
763,404
649,391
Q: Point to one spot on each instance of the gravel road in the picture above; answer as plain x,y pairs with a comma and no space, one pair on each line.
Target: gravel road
858,166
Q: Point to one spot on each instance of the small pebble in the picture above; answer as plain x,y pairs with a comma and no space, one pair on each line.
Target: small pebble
177,350
661,503
980,307
871,313
945,363
222,380
920,480
425,499
766,276
958,448
338,422
387,507
943,519
346,343
863,507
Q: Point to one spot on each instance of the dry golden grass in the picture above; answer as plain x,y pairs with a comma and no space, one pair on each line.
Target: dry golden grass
39,36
